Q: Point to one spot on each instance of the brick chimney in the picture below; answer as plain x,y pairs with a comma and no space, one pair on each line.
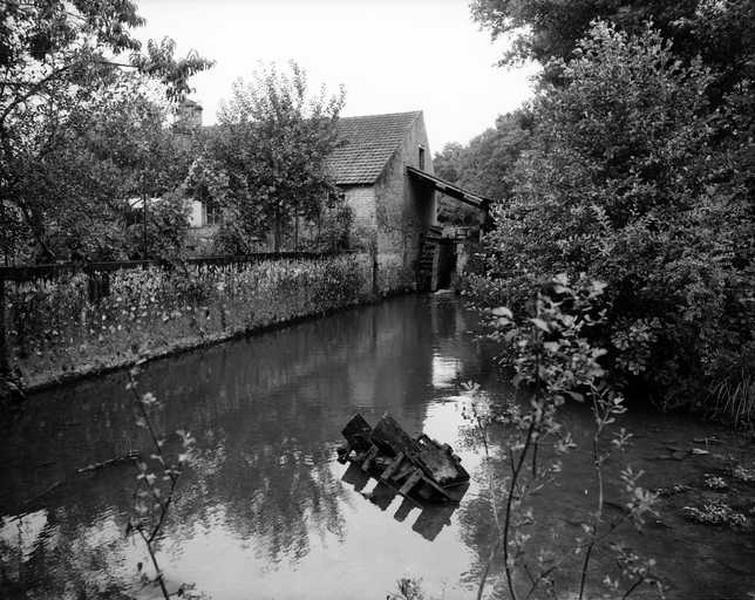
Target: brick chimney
188,116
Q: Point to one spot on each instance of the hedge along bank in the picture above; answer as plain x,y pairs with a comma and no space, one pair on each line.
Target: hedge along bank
80,323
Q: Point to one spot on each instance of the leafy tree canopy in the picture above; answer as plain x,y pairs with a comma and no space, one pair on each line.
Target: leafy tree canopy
48,46
546,29
625,179
484,164
78,167
720,32
75,128
272,142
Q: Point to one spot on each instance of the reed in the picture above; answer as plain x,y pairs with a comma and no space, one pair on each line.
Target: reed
733,398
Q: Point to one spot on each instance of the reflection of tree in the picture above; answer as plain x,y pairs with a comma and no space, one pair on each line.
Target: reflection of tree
452,329
273,483
66,559
560,509
547,522
267,414
478,530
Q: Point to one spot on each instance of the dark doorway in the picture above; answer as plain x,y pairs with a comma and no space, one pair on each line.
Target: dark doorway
446,263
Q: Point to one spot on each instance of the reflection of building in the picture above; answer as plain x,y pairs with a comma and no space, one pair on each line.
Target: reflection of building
454,360
396,375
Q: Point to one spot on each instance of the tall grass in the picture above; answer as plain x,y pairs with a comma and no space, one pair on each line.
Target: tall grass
733,398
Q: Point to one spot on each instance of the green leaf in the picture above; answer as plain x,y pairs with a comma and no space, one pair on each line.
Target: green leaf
540,324
502,311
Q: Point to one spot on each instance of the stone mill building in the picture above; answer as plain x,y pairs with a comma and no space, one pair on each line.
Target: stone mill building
384,166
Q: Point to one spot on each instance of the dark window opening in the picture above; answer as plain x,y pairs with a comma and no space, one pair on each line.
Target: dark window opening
421,158
213,214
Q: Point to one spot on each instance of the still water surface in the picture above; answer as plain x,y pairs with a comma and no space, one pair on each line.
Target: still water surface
267,512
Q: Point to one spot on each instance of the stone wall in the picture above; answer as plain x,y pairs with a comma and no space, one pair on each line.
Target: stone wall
361,200
79,323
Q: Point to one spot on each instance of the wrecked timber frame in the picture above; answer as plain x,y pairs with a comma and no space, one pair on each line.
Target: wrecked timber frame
418,467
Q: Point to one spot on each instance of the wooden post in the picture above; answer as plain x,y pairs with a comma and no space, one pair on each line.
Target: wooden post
436,262
144,226
369,457
391,469
4,358
296,232
414,478
375,265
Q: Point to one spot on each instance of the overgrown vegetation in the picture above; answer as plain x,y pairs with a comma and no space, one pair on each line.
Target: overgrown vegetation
82,126
633,165
554,362
264,165
99,162
83,322
156,479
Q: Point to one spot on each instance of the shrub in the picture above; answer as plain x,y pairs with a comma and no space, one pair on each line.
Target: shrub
60,326
626,181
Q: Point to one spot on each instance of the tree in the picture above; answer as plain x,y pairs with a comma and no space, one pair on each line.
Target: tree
721,33
272,143
58,58
71,187
626,181
485,165
547,29
448,162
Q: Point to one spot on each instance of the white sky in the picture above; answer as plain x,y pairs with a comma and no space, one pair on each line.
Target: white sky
391,55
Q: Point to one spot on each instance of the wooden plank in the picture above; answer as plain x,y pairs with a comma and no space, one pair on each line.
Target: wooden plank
441,492
371,454
393,467
413,480
391,438
406,469
439,462
357,432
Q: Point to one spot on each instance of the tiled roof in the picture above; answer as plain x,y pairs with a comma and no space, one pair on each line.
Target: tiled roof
366,145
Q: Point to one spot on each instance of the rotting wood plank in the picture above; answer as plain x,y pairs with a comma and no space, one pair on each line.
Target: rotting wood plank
357,432
413,480
393,467
418,465
439,461
391,438
371,454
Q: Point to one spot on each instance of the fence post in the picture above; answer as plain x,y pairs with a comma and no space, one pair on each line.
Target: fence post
375,266
4,359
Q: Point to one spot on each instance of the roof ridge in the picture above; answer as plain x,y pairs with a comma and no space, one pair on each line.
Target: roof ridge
390,114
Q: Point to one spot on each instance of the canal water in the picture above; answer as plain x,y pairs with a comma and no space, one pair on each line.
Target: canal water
267,512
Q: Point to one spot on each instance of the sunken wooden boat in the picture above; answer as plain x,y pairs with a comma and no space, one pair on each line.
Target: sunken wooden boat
417,467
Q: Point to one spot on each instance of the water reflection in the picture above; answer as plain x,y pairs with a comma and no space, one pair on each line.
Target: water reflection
266,510
265,490
562,507
430,518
